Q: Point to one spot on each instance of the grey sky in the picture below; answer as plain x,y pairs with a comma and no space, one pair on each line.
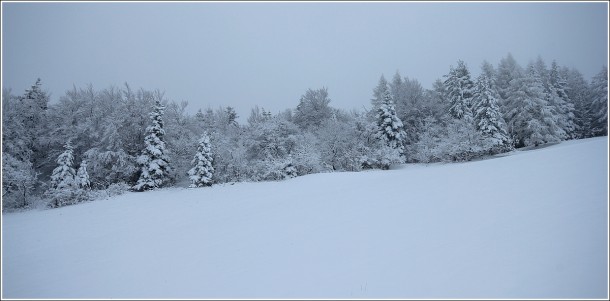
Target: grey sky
268,54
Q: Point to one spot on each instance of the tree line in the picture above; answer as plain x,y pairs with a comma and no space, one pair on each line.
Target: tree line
92,144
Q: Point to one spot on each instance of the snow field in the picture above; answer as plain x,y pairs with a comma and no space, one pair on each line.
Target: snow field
533,224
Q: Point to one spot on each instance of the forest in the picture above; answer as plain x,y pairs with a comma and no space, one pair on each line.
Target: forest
92,144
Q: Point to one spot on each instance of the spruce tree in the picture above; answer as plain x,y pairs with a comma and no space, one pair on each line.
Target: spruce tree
508,70
64,190
529,116
201,174
379,93
578,93
389,126
154,162
82,177
599,103
563,108
63,175
231,116
459,88
487,118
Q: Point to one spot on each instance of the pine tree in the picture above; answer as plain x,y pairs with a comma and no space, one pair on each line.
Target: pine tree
599,103
487,118
154,163
201,174
82,177
390,127
459,88
63,174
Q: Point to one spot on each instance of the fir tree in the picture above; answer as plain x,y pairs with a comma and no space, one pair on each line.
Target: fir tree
487,118
577,90
64,189
82,177
508,70
563,108
154,163
201,174
63,174
529,116
379,93
459,88
390,127
599,103
231,116
33,115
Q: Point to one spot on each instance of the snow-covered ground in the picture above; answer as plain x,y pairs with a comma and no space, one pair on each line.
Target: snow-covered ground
533,224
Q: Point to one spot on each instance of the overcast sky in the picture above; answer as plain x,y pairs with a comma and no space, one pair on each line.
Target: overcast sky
269,54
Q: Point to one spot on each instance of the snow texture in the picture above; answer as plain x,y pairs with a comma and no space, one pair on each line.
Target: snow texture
535,225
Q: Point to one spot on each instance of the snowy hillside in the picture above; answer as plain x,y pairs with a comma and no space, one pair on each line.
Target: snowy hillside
532,224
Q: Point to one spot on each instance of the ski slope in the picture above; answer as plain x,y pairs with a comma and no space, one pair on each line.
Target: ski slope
531,224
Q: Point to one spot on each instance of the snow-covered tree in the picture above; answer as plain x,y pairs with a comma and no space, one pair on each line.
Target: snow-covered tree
64,188
559,99
508,70
450,140
490,72
63,174
578,92
529,116
339,146
487,118
459,89
390,127
18,180
313,109
201,174
408,95
32,113
379,92
599,103
154,162
231,116
82,176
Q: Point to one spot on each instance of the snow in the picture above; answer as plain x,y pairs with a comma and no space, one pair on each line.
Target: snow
530,224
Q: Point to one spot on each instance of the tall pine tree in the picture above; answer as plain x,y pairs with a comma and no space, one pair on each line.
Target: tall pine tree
154,162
